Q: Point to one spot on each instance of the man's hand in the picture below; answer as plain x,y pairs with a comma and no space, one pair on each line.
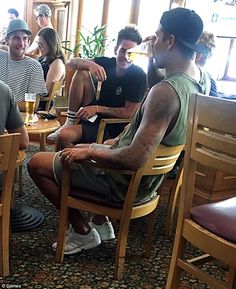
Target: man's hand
87,111
151,38
88,64
75,154
98,71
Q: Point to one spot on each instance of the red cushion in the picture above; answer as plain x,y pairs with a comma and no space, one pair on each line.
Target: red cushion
219,218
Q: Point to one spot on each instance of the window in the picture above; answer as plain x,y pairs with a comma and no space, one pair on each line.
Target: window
92,14
5,5
226,61
222,22
118,18
150,13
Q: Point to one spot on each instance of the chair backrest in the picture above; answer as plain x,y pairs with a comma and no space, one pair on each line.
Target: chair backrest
56,87
211,140
161,161
9,147
105,121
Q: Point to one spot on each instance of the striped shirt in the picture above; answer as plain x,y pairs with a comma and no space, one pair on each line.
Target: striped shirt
22,76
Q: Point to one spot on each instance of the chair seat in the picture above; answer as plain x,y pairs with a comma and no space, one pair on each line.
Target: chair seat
219,218
99,199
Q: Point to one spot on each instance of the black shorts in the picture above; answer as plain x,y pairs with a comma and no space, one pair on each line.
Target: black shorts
90,131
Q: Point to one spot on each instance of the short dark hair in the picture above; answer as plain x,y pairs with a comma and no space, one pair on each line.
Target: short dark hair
130,32
13,11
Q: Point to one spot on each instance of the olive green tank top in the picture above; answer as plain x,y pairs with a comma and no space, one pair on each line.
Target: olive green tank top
184,86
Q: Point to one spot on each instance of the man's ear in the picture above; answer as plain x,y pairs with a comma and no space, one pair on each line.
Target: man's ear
171,41
198,57
115,50
7,40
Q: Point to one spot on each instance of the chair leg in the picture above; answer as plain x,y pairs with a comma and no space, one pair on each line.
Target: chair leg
62,229
232,278
42,142
121,250
173,279
148,243
4,246
174,193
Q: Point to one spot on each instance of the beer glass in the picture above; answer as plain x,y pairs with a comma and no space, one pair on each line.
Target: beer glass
30,100
143,49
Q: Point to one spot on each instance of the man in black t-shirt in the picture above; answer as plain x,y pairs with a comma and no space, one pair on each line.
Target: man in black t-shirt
122,90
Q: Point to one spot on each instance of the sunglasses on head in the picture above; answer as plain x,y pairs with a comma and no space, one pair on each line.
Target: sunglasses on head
40,15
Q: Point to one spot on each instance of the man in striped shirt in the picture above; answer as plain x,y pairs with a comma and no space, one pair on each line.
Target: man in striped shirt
21,73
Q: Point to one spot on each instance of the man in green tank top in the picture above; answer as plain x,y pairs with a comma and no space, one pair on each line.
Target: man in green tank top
162,118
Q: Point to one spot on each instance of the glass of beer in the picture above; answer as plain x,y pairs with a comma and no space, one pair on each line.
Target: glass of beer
143,49
30,100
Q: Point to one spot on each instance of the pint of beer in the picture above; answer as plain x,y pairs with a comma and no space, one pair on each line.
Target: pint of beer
30,100
142,49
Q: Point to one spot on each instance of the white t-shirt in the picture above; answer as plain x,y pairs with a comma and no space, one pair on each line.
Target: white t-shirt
22,76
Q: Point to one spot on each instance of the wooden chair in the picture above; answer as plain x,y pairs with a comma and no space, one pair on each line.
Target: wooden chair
210,227
61,110
56,87
9,146
161,161
106,121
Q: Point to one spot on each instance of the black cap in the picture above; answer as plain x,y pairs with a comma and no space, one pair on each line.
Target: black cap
185,25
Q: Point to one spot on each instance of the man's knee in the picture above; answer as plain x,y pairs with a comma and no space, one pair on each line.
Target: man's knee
40,163
81,75
34,163
69,135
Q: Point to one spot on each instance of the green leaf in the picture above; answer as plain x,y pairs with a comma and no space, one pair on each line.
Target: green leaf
91,43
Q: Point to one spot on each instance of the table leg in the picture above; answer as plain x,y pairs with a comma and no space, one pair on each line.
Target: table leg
42,141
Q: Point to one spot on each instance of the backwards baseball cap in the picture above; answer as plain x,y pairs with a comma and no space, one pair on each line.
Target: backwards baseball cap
17,25
42,10
185,25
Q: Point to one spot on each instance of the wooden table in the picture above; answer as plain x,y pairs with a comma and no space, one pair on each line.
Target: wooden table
41,128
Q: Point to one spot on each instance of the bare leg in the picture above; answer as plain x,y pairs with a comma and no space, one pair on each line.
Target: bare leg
82,90
81,93
99,219
41,171
69,136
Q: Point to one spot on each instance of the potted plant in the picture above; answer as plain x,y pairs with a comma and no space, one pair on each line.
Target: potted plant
91,43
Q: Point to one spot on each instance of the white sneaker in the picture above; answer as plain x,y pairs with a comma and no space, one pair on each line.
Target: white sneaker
105,231
53,136
75,242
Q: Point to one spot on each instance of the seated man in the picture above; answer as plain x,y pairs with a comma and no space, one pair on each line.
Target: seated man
162,118
22,74
10,116
123,88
